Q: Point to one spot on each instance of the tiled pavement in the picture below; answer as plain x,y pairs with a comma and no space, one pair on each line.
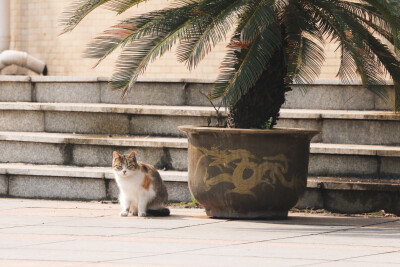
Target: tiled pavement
64,233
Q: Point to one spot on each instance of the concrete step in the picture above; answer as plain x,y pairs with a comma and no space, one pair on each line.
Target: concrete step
90,150
334,95
72,182
102,118
95,183
346,127
336,126
344,160
323,94
95,90
341,160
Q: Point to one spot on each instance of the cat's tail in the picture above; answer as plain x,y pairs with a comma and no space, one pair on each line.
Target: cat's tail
158,212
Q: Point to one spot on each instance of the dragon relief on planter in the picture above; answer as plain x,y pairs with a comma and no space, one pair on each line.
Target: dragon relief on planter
243,169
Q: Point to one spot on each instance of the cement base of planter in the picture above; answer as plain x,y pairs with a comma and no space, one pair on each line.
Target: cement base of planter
352,195
251,215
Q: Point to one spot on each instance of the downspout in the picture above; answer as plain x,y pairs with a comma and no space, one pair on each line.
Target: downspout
4,24
10,57
22,59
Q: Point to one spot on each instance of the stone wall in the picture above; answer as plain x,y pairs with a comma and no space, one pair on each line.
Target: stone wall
35,29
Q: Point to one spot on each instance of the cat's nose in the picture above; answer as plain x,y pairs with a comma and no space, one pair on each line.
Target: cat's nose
124,172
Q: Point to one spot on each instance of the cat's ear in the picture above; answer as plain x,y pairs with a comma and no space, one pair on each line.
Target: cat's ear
133,155
116,155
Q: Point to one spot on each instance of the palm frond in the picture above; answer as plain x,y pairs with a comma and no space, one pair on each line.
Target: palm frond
390,10
350,40
237,75
121,6
384,58
135,28
263,27
257,16
77,11
347,70
137,54
305,53
311,59
212,23
368,65
369,16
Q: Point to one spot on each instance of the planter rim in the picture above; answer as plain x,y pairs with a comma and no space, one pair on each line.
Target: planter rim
275,131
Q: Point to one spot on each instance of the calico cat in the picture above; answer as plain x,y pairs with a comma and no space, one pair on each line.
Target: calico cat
142,190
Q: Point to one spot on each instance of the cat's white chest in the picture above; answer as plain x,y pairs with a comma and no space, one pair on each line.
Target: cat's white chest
131,186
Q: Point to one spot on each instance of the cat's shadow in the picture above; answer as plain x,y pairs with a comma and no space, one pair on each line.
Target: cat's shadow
180,217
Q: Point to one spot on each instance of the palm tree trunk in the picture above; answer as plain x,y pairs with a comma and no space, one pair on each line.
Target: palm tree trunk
259,107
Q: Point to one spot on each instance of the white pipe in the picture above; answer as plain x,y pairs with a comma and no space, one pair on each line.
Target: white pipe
10,57
4,24
22,59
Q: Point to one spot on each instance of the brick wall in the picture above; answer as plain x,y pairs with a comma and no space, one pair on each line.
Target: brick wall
35,29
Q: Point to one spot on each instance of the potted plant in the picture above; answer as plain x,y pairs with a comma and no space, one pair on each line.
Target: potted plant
248,170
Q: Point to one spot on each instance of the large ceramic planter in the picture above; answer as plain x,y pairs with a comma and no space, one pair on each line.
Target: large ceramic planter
247,173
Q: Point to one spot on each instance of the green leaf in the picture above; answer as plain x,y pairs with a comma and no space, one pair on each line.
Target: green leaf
351,40
238,75
208,28
135,28
311,59
121,6
77,11
390,10
305,53
137,54
258,16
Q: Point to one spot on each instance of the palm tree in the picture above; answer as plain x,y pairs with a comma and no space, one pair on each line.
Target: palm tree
275,43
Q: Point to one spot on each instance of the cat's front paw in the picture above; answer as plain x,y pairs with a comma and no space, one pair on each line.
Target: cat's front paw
124,213
142,214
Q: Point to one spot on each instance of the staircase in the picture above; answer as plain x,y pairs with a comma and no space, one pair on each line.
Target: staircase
57,135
